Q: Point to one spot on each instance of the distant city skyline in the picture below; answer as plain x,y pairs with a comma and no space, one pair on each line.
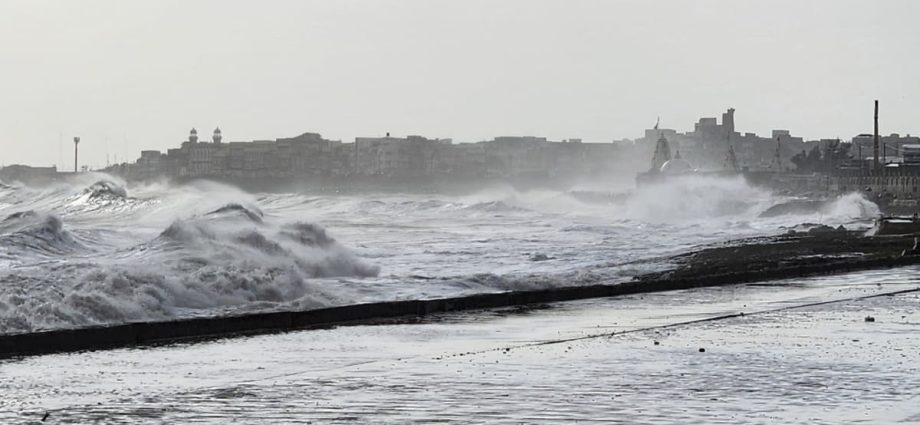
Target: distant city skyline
130,76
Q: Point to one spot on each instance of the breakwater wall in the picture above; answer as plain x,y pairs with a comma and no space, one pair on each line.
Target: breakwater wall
153,333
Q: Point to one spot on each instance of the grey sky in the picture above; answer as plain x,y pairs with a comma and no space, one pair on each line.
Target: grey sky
132,75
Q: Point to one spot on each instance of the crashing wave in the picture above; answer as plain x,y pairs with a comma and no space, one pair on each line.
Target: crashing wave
251,213
308,234
20,215
106,189
694,198
195,265
183,230
794,207
38,233
495,206
305,246
852,206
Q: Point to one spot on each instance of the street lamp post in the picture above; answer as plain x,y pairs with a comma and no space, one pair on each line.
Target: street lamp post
76,142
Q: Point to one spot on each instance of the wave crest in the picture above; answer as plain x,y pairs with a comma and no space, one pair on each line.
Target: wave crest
36,233
106,189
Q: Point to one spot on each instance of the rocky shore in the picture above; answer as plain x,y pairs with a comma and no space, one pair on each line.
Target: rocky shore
819,251
796,254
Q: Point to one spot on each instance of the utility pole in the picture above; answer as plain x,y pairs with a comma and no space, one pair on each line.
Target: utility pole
875,143
76,143
861,159
60,161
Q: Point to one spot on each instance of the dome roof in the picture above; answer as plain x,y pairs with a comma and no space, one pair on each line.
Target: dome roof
676,165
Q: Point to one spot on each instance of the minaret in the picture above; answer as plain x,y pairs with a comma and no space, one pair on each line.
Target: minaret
731,161
777,163
217,137
193,136
662,153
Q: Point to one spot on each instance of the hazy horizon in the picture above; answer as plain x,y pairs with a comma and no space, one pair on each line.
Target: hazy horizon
127,76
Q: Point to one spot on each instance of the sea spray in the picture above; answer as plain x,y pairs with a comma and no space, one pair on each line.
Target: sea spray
851,206
695,198
165,251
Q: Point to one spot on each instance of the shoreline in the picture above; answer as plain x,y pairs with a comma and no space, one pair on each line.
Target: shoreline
749,260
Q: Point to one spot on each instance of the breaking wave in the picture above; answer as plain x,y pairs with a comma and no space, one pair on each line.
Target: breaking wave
106,189
495,206
695,198
95,250
852,206
26,232
228,257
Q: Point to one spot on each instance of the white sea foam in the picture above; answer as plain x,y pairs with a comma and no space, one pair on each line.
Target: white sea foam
852,206
96,250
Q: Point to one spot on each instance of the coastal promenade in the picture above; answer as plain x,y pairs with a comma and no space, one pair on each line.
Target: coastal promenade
794,351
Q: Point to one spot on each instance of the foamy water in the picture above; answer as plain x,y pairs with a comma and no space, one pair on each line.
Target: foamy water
95,250
630,359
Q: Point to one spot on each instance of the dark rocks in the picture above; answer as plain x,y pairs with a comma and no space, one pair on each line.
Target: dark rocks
914,251
823,228
788,256
814,229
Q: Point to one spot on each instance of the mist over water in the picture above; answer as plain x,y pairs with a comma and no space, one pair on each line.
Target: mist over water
94,250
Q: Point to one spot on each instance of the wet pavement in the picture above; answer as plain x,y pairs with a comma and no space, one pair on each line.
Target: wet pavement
633,359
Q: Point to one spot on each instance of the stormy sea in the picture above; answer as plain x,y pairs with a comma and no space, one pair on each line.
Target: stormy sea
96,250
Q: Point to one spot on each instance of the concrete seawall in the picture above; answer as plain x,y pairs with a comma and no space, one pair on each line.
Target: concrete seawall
150,333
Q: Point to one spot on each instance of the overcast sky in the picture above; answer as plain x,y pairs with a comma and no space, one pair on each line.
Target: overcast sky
132,75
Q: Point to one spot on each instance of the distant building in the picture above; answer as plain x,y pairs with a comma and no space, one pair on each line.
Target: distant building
26,173
911,155
889,146
412,156
309,155
708,144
